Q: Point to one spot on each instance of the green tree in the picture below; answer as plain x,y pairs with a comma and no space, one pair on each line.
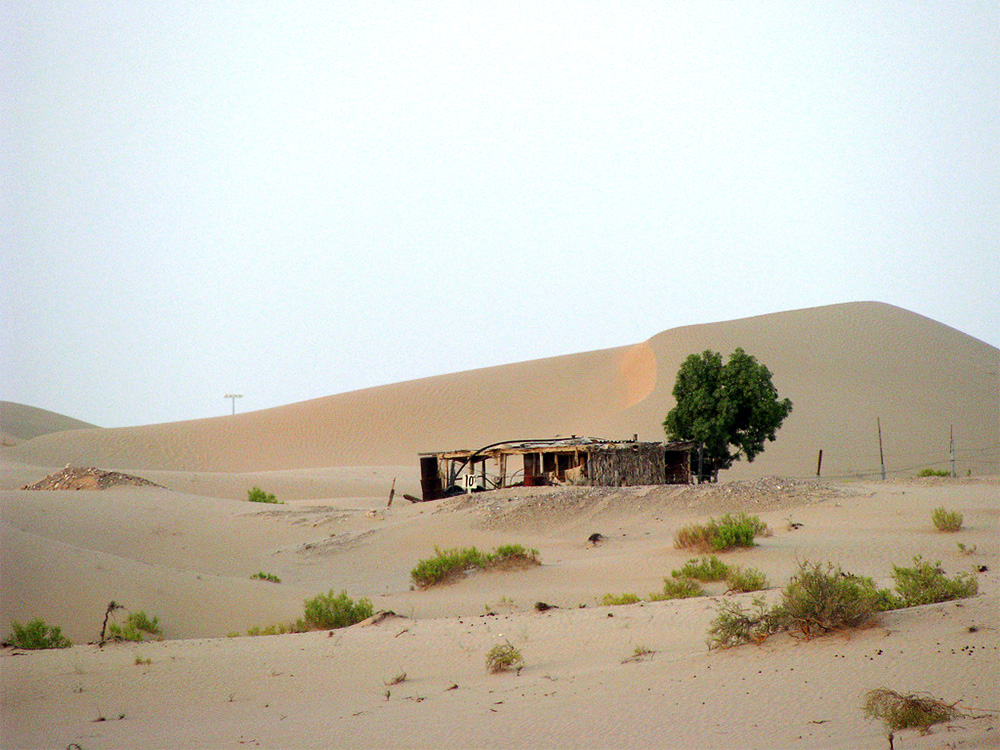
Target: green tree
731,409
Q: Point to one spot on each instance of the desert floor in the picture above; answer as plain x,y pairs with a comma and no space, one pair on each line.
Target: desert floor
185,553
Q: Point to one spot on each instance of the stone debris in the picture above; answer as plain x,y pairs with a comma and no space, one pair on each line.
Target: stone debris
87,478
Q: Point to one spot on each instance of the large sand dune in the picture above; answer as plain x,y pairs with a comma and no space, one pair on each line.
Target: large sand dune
843,366
20,422
186,551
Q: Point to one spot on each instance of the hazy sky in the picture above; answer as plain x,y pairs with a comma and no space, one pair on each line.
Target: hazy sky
292,199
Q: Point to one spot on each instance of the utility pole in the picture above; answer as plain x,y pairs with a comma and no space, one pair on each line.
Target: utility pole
233,397
881,456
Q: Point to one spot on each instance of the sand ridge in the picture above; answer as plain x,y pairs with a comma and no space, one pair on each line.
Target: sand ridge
844,367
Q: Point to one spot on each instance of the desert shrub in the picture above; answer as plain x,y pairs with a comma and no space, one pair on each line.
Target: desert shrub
677,588
37,635
262,576
280,628
614,600
926,584
446,564
727,533
332,610
934,473
735,624
746,579
503,657
821,598
704,569
899,711
825,598
136,628
511,553
257,495
946,520
449,563
967,550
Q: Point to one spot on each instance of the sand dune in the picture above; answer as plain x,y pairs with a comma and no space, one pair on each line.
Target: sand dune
19,422
186,551
188,560
844,366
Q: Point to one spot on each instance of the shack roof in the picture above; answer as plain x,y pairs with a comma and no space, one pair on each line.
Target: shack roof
554,445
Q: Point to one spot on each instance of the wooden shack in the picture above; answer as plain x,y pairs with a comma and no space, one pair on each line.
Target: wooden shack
574,460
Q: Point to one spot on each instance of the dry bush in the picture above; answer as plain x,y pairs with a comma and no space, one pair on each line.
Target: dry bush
503,657
899,711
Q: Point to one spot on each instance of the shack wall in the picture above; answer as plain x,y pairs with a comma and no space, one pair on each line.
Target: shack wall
627,465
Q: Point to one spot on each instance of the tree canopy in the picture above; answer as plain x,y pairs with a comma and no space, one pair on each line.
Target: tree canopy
731,408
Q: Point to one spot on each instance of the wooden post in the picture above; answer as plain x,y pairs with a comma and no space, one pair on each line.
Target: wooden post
881,456
819,463
392,492
701,459
951,449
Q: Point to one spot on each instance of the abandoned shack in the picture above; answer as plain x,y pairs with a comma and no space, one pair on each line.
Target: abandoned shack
574,460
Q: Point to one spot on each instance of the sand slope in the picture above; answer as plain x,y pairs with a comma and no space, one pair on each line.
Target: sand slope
843,366
19,422
188,560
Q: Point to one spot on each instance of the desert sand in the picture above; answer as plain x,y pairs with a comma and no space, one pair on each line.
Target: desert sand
185,552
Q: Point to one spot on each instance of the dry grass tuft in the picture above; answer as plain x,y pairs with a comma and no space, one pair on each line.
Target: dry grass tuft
898,711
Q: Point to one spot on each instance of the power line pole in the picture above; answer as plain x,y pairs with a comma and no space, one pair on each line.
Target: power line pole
233,397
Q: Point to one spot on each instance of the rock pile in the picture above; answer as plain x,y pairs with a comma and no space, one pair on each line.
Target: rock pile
77,478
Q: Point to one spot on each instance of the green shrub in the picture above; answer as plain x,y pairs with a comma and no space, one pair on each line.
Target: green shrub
821,598
824,598
946,520
329,611
503,657
257,495
705,569
262,576
37,635
511,553
926,584
677,588
899,711
743,580
446,564
450,563
934,473
727,533
615,600
136,628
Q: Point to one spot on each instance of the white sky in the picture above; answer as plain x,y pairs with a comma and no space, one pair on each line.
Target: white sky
292,199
